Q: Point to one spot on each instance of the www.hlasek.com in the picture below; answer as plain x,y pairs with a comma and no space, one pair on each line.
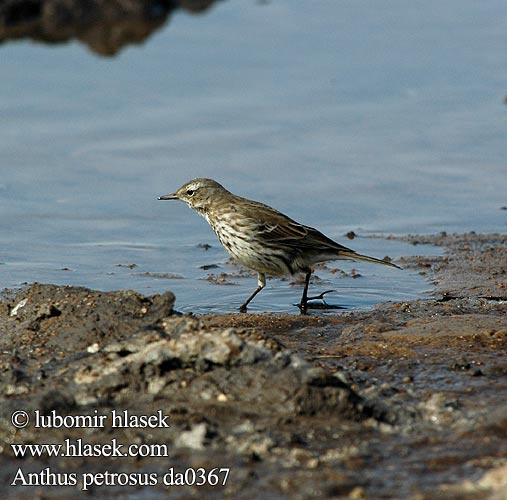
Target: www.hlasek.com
200,476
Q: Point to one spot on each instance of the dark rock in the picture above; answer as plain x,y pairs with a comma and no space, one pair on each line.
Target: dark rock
103,25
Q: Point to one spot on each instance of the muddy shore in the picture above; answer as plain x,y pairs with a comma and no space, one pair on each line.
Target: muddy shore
408,400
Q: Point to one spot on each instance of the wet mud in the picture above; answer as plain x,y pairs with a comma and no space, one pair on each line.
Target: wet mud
407,400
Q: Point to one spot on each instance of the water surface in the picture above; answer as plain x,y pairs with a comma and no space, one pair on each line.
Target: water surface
372,117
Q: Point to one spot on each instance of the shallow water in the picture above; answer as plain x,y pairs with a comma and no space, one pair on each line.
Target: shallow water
371,117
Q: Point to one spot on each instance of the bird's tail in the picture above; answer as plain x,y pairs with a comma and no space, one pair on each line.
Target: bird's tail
357,256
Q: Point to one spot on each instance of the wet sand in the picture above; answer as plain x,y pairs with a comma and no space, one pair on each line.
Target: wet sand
408,400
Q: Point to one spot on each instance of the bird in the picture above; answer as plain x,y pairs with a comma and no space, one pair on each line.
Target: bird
262,238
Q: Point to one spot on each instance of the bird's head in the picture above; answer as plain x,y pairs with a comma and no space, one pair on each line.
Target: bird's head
197,194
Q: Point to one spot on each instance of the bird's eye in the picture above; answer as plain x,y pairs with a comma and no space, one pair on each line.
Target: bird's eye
190,192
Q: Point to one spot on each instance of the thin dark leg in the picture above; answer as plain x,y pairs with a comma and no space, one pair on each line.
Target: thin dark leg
262,284
243,307
303,306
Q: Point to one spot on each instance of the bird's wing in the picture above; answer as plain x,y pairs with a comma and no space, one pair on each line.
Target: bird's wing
275,226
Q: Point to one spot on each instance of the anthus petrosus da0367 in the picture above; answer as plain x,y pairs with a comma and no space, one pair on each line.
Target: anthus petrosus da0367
261,238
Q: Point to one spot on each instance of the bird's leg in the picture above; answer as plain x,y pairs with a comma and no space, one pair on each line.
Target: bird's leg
303,306
261,281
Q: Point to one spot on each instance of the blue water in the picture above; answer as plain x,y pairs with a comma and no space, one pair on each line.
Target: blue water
376,117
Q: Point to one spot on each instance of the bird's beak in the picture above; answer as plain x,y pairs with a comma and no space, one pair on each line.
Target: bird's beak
172,196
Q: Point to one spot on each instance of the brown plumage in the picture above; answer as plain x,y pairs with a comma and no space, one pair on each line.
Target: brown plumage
260,237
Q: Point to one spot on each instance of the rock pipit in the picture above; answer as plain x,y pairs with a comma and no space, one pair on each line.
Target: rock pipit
261,238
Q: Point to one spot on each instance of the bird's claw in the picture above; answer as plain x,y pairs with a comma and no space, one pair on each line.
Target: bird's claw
321,296
303,306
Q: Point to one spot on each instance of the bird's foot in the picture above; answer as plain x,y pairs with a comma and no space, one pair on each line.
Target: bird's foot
303,305
321,296
243,308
